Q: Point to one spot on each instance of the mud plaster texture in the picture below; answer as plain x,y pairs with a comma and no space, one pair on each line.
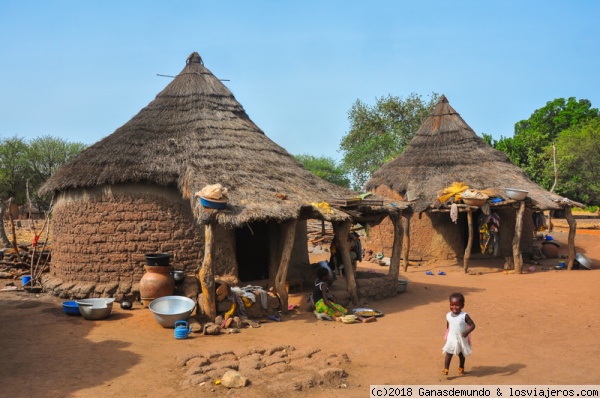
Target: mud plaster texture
100,237
435,237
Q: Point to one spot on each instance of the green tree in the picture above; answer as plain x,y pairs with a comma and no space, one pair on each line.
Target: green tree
32,161
325,168
13,168
488,139
528,146
578,161
45,155
380,132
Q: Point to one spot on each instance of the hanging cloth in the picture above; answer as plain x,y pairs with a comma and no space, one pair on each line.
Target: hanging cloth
454,213
489,233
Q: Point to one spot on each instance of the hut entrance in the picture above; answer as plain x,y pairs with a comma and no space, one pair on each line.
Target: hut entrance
492,245
252,252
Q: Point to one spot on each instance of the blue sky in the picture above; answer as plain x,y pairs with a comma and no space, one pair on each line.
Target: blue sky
81,69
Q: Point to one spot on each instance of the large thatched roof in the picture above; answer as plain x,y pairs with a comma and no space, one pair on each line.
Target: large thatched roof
193,134
444,150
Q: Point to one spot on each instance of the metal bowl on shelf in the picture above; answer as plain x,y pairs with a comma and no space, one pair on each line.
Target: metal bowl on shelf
516,194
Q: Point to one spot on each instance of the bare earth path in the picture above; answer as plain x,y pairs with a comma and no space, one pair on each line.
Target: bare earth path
541,327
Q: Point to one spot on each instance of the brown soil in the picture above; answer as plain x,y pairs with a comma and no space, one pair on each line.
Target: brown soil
535,328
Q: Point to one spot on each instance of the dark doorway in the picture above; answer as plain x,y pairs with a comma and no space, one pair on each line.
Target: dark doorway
252,252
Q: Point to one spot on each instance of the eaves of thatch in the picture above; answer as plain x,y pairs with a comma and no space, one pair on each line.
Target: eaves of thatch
446,150
195,133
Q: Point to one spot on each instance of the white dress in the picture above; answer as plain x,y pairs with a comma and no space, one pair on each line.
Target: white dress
455,343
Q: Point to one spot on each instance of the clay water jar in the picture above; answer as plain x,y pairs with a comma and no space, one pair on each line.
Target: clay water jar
156,282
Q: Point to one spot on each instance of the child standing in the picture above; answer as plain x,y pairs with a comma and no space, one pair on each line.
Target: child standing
459,325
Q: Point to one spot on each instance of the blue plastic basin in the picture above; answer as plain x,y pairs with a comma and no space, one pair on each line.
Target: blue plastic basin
212,204
71,308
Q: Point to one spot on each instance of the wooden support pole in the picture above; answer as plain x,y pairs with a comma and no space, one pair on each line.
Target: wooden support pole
207,275
406,240
397,247
288,233
14,233
341,234
4,241
274,252
469,241
572,230
516,243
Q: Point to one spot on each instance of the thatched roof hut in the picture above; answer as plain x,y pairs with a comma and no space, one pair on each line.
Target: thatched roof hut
193,134
143,179
446,150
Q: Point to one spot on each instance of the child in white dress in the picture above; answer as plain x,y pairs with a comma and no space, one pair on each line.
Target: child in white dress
459,325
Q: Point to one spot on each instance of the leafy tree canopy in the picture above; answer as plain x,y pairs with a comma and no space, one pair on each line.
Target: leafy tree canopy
578,162
527,148
33,161
13,168
379,133
325,168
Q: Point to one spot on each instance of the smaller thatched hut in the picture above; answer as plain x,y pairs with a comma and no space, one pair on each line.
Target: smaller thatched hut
446,150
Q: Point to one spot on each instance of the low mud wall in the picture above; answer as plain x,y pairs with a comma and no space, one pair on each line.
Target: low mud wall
100,237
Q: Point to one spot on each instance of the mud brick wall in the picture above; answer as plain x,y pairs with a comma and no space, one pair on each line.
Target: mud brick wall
369,287
431,238
100,237
435,237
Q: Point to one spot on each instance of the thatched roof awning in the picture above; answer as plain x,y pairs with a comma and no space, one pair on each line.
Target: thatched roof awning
446,150
193,134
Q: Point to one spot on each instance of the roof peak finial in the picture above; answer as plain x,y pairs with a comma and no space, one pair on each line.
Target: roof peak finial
194,58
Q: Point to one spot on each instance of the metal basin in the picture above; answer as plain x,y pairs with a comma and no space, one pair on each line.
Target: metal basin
583,260
170,309
516,194
95,308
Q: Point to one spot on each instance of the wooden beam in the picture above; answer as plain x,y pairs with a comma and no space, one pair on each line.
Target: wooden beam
397,246
288,233
207,275
516,243
274,252
341,234
405,240
469,241
572,230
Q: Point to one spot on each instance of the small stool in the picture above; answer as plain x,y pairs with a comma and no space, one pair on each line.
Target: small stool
294,285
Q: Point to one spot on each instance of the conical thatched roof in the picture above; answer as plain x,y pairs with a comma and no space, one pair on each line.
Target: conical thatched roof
193,134
444,150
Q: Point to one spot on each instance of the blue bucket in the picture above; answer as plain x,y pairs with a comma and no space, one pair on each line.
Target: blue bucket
26,280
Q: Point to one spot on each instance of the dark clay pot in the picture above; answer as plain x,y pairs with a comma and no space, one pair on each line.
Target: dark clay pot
162,259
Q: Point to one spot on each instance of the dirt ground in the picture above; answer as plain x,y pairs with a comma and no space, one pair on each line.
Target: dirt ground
539,327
